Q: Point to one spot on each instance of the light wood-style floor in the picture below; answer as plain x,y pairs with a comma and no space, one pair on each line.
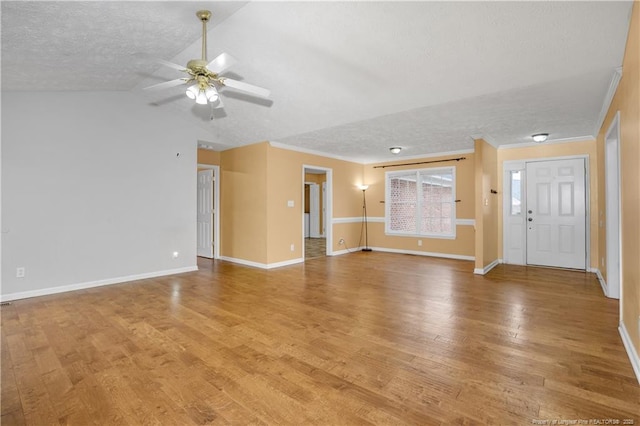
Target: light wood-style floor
364,338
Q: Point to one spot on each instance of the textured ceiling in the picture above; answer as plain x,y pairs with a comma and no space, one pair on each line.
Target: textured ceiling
348,79
100,45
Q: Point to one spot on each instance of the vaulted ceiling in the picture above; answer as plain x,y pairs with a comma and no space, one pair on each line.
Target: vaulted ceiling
348,79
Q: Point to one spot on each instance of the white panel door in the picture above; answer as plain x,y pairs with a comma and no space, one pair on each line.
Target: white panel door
556,214
314,210
323,229
205,213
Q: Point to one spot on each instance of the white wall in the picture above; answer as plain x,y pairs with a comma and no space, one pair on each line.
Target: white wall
93,191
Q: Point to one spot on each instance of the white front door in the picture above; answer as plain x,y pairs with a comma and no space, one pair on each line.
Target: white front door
205,213
556,213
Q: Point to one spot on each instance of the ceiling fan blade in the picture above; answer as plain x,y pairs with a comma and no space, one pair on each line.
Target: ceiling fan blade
245,87
167,84
171,65
221,63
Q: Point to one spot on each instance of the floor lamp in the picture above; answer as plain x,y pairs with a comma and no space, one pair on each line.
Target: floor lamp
364,218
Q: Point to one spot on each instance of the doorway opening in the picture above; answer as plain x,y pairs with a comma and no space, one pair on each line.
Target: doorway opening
208,206
316,211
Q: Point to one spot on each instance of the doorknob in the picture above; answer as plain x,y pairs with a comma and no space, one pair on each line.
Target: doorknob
530,219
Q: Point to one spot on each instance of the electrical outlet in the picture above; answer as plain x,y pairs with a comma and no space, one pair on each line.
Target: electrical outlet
419,243
293,247
341,242
20,272
175,254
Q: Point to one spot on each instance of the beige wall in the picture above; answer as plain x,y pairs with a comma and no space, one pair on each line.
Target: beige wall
285,182
243,205
552,151
487,204
206,156
627,101
257,181
462,245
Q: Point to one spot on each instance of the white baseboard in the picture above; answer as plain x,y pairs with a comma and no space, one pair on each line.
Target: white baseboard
631,350
262,265
285,263
487,268
424,253
601,280
91,284
345,251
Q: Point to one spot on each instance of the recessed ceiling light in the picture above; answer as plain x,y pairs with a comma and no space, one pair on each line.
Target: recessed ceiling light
540,137
395,149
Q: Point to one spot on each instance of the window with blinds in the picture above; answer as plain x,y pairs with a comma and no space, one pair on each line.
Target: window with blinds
421,203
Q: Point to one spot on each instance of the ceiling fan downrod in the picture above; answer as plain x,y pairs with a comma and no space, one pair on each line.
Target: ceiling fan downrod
204,16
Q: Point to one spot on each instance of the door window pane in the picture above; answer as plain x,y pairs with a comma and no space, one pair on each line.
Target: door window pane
516,192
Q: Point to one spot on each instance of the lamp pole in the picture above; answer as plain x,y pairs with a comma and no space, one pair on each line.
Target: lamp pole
364,216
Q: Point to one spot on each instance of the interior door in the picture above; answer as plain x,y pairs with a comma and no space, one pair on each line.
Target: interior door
323,212
205,214
314,210
556,213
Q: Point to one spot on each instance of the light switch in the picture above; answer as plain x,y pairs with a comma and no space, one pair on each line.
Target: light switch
290,203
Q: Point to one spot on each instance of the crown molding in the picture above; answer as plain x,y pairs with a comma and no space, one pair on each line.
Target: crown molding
309,151
488,139
608,98
587,138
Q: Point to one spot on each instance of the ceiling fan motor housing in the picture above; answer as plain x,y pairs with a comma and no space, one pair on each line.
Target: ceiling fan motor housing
198,66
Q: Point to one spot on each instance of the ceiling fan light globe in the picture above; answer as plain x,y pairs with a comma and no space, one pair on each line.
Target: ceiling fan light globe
211,94
192,91
201,99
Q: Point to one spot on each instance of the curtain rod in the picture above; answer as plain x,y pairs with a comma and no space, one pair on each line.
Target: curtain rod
420,162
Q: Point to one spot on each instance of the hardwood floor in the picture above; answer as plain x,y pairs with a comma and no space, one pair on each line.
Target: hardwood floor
364,338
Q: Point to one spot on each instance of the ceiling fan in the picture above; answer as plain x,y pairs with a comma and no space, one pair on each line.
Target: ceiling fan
205,75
